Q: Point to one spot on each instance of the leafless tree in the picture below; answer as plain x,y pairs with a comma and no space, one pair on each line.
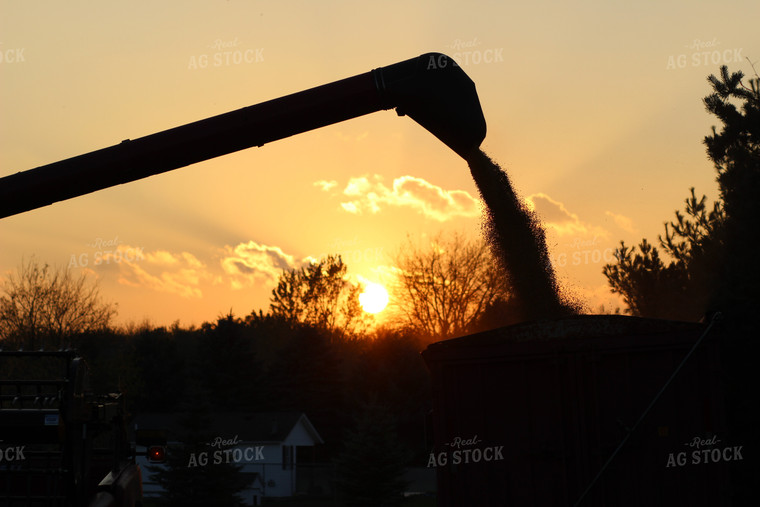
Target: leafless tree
40,307
443,288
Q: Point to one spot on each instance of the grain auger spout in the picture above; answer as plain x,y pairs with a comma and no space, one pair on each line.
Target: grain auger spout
431,89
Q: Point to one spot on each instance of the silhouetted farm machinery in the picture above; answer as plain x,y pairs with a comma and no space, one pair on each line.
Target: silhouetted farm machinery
592,410
523,415
62,444
431,89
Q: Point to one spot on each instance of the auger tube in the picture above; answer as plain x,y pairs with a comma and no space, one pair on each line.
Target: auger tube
431,89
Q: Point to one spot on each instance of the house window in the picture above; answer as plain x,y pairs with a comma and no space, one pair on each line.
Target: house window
287,457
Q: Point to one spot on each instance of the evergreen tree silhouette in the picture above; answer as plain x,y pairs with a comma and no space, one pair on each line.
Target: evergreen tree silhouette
371,467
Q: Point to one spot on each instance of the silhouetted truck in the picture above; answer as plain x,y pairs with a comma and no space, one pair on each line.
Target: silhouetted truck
535,414
61,444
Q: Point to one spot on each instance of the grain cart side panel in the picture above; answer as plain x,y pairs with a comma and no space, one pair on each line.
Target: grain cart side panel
557,397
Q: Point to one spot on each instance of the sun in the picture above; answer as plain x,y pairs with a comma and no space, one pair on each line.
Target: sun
374,299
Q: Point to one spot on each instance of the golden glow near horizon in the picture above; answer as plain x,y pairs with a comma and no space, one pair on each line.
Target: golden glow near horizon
374,299
594,109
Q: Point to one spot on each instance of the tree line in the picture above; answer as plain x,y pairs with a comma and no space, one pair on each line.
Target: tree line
364,386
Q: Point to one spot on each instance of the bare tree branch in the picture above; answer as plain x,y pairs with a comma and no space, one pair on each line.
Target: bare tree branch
41,307
442,289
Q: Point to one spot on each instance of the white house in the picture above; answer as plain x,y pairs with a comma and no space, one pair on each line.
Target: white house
264,444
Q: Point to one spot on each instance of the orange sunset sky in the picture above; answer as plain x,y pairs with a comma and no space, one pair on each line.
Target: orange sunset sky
594,108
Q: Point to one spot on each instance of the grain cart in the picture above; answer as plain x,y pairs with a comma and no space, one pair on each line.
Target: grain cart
589,410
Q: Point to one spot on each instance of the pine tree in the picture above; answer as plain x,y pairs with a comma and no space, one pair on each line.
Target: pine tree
711,250
735,151
371,467
681,288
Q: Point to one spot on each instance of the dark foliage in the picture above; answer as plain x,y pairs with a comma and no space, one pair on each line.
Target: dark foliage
711,249
370,469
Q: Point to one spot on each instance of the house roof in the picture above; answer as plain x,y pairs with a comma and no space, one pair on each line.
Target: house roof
262,427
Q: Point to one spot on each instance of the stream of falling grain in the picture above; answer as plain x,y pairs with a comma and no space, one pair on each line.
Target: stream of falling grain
518,241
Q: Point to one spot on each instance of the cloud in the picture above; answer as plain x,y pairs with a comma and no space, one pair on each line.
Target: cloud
160,270
326,185
555,216
623,222
184,274
350,207
371,195
250,262
161,258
